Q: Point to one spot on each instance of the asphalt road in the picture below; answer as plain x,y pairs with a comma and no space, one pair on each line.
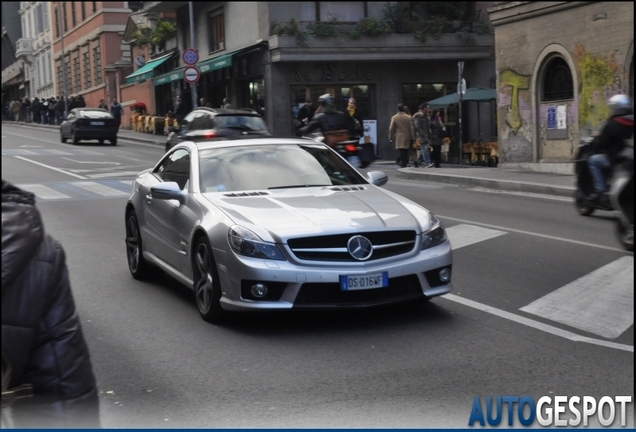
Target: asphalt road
542,306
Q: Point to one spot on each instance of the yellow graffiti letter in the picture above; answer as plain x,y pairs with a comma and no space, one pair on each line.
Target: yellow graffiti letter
517,82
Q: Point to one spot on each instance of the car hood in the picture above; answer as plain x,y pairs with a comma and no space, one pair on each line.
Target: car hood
280,214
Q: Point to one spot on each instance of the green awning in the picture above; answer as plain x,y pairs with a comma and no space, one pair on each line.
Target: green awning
215,63
175,75
146,71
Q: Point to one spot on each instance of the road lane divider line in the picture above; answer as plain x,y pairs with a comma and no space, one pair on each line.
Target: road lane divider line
51,167
577,304
43,192
99,189
536,324
464,235
546,236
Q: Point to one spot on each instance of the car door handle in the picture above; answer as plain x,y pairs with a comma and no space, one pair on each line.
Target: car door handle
149,199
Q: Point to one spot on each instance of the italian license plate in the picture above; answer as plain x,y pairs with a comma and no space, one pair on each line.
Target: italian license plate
363,282
97,123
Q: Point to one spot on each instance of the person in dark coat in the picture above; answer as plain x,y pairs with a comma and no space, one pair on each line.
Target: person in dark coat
180,110
81,103
306,113
355,119
42,336
333,124
436,138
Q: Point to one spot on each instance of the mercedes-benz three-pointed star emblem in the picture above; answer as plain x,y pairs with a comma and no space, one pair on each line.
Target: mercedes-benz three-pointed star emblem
360,248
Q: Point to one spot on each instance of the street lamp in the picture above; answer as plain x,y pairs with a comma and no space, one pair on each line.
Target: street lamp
461,88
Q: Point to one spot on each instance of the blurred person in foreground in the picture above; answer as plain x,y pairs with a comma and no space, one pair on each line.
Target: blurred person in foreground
42,337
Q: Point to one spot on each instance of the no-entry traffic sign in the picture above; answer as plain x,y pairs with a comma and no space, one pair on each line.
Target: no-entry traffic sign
191,74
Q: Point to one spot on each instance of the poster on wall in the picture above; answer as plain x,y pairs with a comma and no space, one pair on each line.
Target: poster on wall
370,133
561,117
552,117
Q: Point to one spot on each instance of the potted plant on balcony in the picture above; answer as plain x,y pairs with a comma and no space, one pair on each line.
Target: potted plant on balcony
138,108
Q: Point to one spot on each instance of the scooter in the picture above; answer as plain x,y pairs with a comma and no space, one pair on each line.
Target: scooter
585,182
621,196
358,155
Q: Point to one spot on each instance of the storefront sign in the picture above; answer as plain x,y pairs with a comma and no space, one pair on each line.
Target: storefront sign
370,133
330,73
552,117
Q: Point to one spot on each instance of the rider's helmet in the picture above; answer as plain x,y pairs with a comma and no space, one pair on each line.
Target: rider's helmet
620,104
326,100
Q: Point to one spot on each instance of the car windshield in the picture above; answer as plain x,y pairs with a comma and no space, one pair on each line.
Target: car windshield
96,114
248,123
244,168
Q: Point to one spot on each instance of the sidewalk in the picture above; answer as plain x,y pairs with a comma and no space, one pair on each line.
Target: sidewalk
490,178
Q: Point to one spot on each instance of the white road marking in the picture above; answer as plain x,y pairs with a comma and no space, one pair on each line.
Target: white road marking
50,167
99,189
91,162
527,194
601,302
25,152
59,152
536,234
464,235
43,192
113,174
536,324
31,146
126,182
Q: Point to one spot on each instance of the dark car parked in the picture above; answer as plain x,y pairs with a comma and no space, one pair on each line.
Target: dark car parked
83,124
209,123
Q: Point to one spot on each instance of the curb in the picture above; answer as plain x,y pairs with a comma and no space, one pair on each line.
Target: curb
506,185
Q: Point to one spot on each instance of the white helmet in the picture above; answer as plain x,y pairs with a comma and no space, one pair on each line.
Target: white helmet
618,103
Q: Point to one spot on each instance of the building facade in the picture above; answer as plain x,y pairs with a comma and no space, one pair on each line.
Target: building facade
35,48
557,65
12,68
94,52
243,58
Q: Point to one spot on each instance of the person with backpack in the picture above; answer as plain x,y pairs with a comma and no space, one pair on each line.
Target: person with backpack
42,337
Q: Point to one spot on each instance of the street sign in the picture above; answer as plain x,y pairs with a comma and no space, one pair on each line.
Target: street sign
191,74
190,56
461,88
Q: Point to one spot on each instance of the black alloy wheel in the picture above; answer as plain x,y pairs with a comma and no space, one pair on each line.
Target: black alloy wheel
138,266
75,139
207,287
62,139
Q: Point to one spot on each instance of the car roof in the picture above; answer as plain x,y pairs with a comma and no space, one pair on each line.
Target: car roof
270,140
227,111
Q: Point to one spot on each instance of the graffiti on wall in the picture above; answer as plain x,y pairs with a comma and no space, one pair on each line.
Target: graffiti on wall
516,82
600,80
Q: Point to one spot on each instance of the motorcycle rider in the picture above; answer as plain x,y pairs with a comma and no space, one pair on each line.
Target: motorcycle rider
332,123
610,143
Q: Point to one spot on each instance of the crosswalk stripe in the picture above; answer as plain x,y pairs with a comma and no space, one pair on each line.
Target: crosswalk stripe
464,235
59,152
601,302
26,152
99,189
43,192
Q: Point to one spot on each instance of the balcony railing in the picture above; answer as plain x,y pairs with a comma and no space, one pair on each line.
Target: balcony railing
24,47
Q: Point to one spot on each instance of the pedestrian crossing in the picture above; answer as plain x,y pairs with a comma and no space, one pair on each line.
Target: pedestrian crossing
79,190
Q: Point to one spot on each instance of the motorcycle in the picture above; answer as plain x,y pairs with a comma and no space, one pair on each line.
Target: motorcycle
585,182
357,154
621,196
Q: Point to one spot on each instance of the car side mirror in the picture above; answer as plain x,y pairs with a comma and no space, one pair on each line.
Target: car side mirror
377,178
168,191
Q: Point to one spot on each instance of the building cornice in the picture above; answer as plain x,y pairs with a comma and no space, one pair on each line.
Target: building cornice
511,12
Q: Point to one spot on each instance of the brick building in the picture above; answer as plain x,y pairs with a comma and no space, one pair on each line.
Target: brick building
557,64
93,48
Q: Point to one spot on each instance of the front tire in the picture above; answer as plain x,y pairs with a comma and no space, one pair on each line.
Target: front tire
113,141
62,139
582,204
625,235
207,287
75,140
138,266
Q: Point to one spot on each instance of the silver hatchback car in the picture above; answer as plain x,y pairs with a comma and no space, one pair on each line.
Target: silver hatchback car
281,223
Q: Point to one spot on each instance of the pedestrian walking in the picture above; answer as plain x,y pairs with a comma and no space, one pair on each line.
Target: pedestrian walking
16,109
436,138
35,110
116,110
355,119
402,134
180,110
80,102
25,111
60,110
422,128
306,113
44,111
227,104
42,337
51,115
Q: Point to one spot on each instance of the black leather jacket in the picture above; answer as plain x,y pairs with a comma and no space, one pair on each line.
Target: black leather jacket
618,128
330,120
41,332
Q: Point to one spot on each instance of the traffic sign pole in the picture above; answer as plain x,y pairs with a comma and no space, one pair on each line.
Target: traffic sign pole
192,84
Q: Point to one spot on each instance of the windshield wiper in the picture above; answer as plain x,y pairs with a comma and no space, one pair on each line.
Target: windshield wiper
298,186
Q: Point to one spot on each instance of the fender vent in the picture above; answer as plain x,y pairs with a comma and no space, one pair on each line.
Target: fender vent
245,194
348,188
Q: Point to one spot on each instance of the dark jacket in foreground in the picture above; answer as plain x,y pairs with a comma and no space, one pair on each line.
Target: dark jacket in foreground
41,332
618,128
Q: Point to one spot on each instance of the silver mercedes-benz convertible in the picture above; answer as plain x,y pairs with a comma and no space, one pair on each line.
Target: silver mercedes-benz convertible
281,223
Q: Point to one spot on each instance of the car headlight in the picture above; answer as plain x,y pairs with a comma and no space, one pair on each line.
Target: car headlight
435,235
245,242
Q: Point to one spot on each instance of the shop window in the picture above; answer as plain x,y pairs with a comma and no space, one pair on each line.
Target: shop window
216,31
413,95
557,81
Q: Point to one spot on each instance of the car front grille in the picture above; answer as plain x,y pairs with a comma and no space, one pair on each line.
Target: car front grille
329,295
334,247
